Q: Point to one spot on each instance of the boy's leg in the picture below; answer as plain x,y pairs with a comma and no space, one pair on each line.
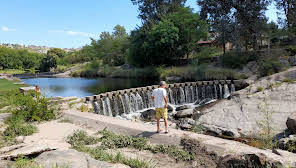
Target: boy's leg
165,117
158,116
158,129
166,125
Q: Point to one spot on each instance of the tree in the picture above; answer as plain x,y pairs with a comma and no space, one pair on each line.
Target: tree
57,52
151,11
245,19
191,29
288,7
50,61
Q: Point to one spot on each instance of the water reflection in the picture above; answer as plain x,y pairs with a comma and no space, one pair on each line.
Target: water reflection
81,87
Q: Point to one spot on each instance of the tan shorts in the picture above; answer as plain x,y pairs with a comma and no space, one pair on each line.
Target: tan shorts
161,113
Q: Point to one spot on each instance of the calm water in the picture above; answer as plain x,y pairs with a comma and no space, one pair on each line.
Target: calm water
81,87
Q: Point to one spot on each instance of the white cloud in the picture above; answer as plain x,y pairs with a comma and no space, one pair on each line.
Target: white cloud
4,28
73,33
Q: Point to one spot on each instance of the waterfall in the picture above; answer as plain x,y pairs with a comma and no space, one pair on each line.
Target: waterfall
108,104
187,94
192,94
171,96
116,108
203,92
196,93
150,101
135,101
209,92
127,104
96,107
232,88
221,91
215,92
139,101
123,104
182,95
144,99
104,109
226,91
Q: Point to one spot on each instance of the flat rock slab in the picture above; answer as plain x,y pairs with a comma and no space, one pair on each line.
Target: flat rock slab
220,147
72,158
4,116
27,150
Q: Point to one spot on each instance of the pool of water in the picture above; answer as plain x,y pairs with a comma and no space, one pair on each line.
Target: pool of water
81,87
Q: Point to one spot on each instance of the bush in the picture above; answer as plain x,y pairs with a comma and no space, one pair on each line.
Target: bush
269,67
17,127
238,59
291,50
31,107
205,55
80,138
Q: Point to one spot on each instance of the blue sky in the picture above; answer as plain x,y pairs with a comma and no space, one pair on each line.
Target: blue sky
68,23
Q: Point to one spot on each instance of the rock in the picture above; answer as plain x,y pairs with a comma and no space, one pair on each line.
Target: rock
184,113
291,123
292,60
11,148
28,150
148,115
284,62
73,159
20,139
5,164
203,102
288,143
4,116
126,66
218,131
183,107
247,160
187,121
170,108
185,126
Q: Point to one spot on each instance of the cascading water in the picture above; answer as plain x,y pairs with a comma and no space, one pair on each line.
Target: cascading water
123,104
130,103
171,96
182,95
108,105
226,91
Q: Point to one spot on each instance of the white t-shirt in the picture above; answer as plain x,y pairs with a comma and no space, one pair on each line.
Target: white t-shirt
159,95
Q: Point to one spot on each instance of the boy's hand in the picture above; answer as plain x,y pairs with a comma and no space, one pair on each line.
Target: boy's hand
166,106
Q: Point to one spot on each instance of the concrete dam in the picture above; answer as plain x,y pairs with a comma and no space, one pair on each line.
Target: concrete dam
122,102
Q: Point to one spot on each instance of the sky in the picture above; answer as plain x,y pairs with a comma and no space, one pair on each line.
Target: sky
69,23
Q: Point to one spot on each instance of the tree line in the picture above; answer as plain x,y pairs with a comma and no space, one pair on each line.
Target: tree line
170,31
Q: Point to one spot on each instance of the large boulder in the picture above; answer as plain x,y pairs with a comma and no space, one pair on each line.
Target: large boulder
291,123
148,115
292,60
221,132
184,113
73,159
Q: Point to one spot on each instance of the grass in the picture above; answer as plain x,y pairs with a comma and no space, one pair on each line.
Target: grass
259,89
23,162
110,140
5,87
12,71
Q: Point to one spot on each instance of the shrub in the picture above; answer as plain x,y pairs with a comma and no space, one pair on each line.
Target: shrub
31,107
17,127
238,59
269,67
80,138
291,50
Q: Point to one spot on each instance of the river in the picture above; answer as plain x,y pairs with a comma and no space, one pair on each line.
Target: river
81,87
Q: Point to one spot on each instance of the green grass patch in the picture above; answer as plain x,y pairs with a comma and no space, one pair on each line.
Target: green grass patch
5,87
23,162
12,71
110,140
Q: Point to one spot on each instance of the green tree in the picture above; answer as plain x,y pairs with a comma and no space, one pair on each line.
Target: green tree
247,17
191,29
56,52
50,61
151,11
